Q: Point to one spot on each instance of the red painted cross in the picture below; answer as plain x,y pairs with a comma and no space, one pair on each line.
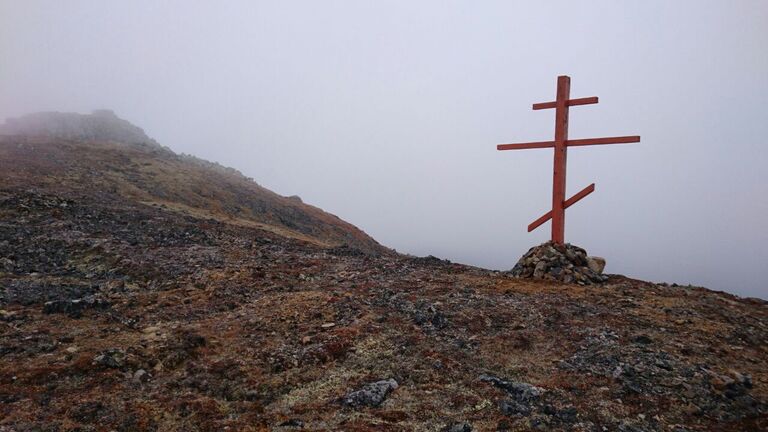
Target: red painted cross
561,144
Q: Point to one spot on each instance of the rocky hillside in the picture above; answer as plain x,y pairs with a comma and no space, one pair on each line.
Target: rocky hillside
137,304
101,157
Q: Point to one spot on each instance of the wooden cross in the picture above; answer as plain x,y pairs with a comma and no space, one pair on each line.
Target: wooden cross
561,144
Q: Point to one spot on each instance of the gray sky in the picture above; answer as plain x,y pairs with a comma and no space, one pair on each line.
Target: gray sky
388,115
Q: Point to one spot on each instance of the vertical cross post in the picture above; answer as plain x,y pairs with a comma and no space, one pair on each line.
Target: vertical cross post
561,155
560,145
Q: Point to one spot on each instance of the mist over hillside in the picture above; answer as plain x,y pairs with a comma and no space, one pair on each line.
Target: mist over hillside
100,125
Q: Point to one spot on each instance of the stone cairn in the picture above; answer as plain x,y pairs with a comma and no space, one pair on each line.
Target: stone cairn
564,263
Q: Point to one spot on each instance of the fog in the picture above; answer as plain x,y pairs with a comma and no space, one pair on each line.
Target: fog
388,114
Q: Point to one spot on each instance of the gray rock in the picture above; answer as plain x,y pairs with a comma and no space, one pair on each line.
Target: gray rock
8,316
642,339
458,427
523,398
372,394
596,264
75,308
514,408
111,358
6,264
520,391
292,423
141,376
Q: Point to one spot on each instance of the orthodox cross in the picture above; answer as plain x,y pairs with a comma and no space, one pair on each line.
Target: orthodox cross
561,144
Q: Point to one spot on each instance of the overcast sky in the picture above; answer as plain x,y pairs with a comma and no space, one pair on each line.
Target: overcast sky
387,114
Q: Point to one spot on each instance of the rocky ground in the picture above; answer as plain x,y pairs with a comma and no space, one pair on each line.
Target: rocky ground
123,316
143,291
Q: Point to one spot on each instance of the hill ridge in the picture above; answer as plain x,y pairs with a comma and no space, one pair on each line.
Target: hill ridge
75,152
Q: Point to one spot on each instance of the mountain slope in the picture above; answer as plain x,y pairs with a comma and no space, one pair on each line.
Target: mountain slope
121,315
118,161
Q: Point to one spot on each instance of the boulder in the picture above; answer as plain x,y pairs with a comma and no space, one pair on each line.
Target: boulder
596,264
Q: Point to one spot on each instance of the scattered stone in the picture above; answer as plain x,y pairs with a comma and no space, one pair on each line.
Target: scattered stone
292,423
458,427
328,325
514,408
87,412
151,330
372,394
140,376
34,289
75,308
430,315
565,415
523,397
191,341
152,333
641,370
521,391
431,260
6,264
642,339
112,358
346,251
8,316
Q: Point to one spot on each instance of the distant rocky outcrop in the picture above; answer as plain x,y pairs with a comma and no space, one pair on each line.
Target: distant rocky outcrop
102,154
100,125
565,263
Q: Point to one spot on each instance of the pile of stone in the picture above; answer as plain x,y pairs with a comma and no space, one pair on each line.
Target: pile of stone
564,263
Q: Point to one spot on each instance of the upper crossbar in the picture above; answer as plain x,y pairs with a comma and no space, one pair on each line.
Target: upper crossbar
569,102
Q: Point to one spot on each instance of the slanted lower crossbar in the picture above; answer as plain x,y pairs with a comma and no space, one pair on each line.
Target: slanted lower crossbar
569,202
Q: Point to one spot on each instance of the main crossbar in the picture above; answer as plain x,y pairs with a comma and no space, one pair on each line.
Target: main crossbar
569,202
570,143
609,140
569,102
529,145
